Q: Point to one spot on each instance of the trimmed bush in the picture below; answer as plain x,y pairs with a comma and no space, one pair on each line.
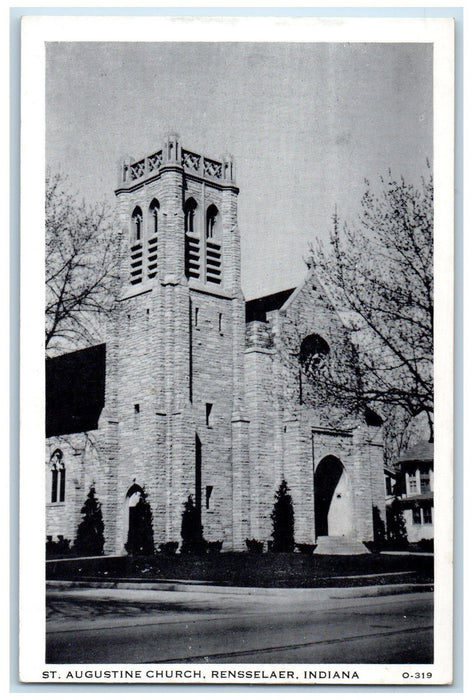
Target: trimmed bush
169,547
305,548
254,546
57,549
90,538
425,545
283,520
214,547
140,536
191,530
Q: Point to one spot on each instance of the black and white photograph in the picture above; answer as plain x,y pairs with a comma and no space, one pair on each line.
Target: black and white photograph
235,372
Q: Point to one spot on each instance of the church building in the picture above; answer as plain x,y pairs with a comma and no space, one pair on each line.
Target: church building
197,392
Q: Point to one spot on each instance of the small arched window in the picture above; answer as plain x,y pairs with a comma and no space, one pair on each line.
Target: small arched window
190,209
313,354
154,213
137,222
58,477
211,221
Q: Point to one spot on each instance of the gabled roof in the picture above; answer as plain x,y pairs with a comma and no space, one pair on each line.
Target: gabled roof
75,391
421,452
256,309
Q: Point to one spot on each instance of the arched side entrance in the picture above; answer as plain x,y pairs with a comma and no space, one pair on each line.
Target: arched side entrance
138,522
332,499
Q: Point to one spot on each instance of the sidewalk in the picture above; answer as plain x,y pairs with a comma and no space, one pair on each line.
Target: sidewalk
95,588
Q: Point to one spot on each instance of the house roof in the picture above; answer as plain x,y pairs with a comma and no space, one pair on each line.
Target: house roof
256,309
75,391
421,452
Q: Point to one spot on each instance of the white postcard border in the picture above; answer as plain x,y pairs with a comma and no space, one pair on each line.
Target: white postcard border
38,30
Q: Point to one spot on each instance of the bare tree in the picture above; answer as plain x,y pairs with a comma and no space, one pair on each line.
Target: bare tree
81,268
380,276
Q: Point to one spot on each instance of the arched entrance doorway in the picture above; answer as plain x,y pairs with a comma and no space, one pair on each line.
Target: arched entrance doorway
140,528
332,501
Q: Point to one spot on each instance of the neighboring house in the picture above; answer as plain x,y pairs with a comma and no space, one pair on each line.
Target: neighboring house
416,488
197,392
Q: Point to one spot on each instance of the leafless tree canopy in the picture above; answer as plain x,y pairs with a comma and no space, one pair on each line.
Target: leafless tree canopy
81,268
380,275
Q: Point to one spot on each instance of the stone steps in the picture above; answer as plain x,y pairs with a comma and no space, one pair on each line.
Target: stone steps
340,545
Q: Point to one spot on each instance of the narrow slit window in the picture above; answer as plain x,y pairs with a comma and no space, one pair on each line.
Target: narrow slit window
136,415
220,323
208,493
208,415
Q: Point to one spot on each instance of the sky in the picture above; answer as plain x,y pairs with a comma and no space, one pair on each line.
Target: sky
306,123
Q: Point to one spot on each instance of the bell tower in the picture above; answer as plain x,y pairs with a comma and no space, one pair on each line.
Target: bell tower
178,344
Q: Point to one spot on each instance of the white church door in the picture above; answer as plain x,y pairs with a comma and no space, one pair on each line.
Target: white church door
332,499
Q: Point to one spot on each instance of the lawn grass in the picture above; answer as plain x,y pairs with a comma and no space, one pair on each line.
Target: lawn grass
246,569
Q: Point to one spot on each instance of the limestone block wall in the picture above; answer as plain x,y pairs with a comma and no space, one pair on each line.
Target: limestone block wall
83,467
212,386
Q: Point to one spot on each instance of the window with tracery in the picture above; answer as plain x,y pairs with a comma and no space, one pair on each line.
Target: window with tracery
137,221
192,241
213,252
153,239
313,354
58,477
136,248
190,209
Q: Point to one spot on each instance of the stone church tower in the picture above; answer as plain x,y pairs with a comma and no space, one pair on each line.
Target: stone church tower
174,386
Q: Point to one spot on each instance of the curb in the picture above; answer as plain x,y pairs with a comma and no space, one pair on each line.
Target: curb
186,587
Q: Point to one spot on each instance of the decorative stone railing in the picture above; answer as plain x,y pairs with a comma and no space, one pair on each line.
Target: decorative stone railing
193,163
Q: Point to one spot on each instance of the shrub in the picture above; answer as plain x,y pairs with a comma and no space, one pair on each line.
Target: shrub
254,546
90,539
426,545
396,524
305,548
140,536
169,547
191,530
379,529
283,520
214,547
59,548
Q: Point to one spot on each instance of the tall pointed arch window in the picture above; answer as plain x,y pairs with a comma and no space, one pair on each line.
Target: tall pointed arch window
136,248
154,216
213,252
58,477
190,210
153,238
137,223
192,241
211,221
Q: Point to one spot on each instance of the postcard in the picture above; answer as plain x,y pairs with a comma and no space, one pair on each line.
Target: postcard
234,234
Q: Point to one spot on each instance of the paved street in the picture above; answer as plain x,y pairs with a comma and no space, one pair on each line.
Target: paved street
125,626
